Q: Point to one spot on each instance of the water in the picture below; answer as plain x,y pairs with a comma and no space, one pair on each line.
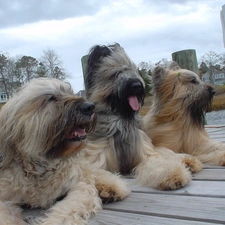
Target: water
216,117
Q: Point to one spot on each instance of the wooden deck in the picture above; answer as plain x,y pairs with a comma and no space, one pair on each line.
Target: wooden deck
201,202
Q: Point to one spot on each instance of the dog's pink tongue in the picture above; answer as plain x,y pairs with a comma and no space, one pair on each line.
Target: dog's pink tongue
133,102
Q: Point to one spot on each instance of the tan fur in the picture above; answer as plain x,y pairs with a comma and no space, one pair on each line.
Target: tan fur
118,143
40,163
175,120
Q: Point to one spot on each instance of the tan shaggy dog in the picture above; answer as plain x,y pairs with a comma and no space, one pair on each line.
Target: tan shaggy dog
42,130
176,118
118,143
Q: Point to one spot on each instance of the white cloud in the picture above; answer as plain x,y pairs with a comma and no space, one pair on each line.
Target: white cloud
148,31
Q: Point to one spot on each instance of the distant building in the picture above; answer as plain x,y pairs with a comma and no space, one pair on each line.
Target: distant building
81,93
3,96
219,77
222,17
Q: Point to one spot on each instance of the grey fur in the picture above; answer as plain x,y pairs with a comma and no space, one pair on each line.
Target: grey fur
111,78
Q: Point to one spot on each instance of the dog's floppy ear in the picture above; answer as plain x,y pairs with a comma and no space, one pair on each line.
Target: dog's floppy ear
94,59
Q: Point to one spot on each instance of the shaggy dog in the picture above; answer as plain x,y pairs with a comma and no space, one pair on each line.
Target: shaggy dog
42,130
176,118
118,143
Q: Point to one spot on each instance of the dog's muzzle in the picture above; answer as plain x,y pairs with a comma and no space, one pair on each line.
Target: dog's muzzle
211,90
136,87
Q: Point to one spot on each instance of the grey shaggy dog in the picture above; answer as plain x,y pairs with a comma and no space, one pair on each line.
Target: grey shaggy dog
118,143
119,94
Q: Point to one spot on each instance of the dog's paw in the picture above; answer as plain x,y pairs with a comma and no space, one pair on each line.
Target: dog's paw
108,193
163,174
192,163
175,181
111,187
176,177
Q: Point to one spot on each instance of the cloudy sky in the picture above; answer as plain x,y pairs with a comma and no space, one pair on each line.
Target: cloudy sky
148,30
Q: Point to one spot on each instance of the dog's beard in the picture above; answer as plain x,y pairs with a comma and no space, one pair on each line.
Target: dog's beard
197,109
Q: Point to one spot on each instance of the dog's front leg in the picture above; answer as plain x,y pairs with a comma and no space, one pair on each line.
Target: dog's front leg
190,161
161,173
110,187
76,208
211,152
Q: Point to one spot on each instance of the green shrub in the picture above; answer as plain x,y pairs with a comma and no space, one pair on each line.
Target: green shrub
220,89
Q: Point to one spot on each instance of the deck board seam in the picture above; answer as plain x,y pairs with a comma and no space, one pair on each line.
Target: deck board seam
179,194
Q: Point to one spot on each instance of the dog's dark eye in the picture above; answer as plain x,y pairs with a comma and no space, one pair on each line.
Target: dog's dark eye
194,81
52,98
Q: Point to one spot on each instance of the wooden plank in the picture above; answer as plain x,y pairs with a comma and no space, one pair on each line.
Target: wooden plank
214,126
215,130
217,134
210,174
117,218
208,166
180,207
194,188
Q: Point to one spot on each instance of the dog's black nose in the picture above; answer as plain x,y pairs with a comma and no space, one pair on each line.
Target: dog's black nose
87,108
136,87
212,92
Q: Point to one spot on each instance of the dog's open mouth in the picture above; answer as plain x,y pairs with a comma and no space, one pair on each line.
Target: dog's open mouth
134,103
77,134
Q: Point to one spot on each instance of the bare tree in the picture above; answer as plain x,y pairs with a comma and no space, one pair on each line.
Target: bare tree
211,60
148,66
163,62
53,64
222,61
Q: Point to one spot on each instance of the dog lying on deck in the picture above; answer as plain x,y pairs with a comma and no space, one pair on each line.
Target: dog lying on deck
118,143
176,118
42,131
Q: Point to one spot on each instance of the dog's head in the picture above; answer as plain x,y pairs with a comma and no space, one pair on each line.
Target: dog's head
179,90
45,119
113,82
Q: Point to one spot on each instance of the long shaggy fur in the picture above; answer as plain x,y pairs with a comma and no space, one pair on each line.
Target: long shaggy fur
42,131
176,118
118,143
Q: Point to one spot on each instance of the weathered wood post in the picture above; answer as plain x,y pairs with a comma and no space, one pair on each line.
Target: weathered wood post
84,60
186,59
